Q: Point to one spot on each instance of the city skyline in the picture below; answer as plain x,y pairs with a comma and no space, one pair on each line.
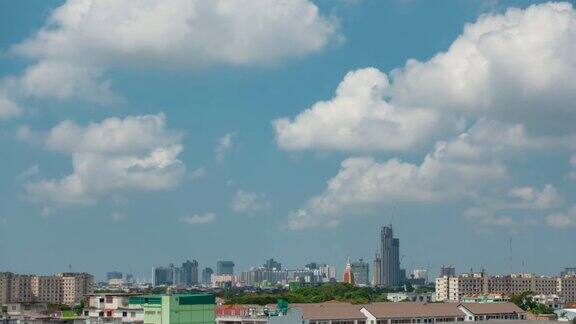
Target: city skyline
195,132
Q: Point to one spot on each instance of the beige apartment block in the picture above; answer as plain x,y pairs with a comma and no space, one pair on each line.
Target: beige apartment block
63,288
466,285
567,288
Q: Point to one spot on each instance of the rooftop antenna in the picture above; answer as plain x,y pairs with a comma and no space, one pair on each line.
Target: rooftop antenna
510,254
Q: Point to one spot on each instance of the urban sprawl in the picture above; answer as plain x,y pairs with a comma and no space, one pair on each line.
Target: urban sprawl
314,294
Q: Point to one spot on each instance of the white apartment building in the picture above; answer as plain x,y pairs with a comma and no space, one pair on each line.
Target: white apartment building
104,308
456,288
62,288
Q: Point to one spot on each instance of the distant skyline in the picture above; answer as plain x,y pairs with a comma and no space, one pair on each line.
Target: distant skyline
135,135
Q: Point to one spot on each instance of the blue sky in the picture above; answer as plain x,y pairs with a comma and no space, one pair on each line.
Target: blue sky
142,135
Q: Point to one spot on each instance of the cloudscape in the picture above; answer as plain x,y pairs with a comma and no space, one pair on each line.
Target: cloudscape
141,133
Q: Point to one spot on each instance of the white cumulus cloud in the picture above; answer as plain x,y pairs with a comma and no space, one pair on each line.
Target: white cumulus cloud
223,145
115,155
250,202
83,39
565,219
516,68
198,219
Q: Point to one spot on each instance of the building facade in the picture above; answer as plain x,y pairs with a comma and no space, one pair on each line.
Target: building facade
388,258
225,268
474,284
360,271
177,309
207,276
64,288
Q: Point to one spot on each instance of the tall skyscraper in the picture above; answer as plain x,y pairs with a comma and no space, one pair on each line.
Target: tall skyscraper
225,268
190,272
360,272
207,276
388,259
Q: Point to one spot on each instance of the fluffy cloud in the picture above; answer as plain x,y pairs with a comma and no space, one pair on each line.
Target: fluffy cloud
532,198
469,166
198,219
116,155
249,202
8,108
563,220
82,39
516,68
357,118
222,147
485,220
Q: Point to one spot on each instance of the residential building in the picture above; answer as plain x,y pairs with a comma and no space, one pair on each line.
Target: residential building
360,273
405,312
225,268
190,273
263,276
63,288
176,309
475,284
103,308
411,296
553,301
207,276
447,271
163,276
567,288
226,281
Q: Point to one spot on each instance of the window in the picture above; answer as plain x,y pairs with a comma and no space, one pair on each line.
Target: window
124,314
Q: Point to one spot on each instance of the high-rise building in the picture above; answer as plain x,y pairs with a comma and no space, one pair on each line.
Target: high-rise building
348,276
389,258
272,264
224,268
360,273
447,271
377,271
207,276
113,275
190,272
420,274
162,276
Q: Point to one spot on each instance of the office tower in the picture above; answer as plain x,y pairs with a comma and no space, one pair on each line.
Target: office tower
190,272
224,268
389,258
273,265
360,272
447,271
207,276
348,276
113,275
